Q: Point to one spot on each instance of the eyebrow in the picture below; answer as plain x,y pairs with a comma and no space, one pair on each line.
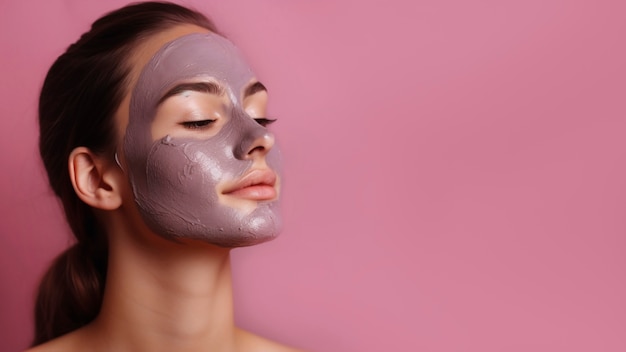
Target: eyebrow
203,87
253,89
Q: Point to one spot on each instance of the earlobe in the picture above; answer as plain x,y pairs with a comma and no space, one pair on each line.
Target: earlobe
95,181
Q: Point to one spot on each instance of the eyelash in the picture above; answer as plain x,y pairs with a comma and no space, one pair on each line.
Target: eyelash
194,125
263,121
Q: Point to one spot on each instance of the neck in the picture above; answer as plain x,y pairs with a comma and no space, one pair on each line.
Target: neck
165,296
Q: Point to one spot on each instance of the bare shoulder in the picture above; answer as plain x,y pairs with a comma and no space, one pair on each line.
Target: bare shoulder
65,343
250,342
51,346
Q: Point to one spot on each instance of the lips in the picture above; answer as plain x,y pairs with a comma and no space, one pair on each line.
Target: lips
257,184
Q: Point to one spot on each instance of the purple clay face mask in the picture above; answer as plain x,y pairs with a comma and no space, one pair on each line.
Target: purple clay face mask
182,185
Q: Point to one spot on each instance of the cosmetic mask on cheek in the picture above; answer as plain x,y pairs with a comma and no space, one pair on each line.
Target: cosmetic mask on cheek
174,180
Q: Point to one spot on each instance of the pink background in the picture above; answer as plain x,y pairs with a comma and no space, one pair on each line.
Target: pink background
455,171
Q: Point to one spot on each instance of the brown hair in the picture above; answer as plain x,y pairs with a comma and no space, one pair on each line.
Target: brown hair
81,92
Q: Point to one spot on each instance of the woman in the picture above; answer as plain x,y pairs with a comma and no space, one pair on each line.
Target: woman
154,136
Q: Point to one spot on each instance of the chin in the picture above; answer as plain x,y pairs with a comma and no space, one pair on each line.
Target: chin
261,225
254,230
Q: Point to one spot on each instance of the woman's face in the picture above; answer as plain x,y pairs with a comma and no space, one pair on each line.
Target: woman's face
200,160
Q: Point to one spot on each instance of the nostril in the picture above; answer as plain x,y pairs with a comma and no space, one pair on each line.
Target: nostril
258,148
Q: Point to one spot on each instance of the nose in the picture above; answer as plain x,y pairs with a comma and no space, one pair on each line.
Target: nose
260,146
256,143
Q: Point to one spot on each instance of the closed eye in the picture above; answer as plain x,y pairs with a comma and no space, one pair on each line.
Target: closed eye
194,125
263,121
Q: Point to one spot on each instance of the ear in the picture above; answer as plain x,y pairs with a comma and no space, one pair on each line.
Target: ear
95,180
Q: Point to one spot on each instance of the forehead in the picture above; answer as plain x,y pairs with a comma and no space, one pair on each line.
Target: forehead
196,56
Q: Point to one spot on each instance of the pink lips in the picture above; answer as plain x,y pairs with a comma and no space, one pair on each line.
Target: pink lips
258,184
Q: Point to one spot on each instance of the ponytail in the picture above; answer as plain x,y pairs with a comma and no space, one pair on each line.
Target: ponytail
70,293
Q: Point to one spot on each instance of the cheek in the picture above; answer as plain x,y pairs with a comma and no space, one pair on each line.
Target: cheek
186,175
181,170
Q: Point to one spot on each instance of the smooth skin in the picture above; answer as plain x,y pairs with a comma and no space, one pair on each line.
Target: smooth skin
160,296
